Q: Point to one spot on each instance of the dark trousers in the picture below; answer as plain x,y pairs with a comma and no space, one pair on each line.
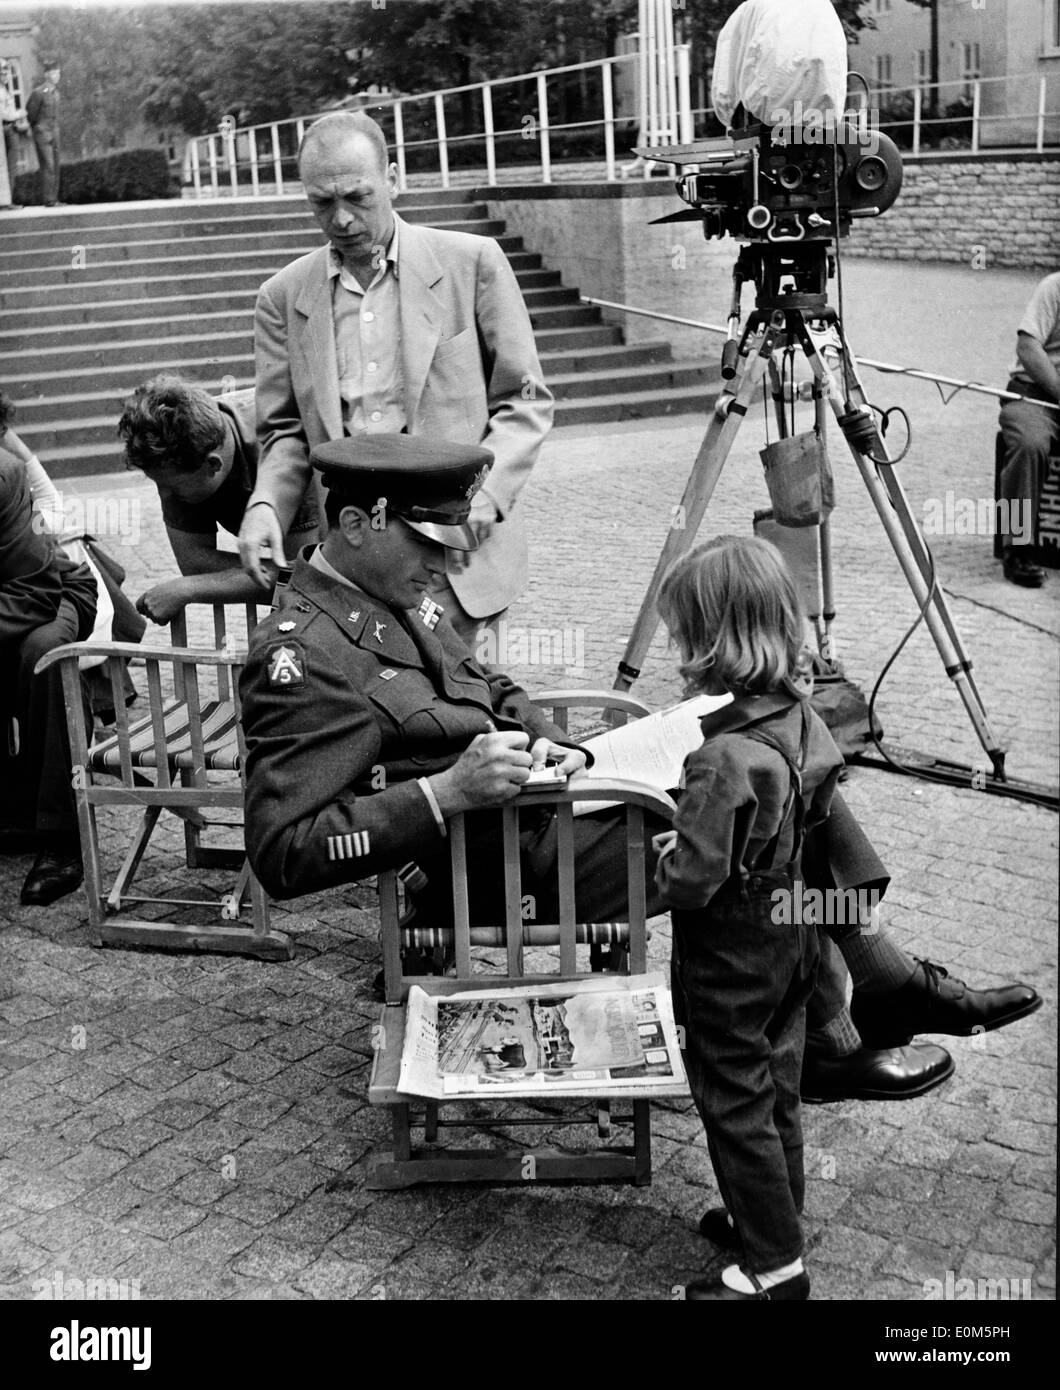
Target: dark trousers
38,794
47,146
1030,433
740,985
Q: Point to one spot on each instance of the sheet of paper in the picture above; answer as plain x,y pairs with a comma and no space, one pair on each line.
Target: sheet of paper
650,750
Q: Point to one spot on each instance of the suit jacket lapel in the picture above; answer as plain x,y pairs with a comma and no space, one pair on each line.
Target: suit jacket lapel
421,313
314,303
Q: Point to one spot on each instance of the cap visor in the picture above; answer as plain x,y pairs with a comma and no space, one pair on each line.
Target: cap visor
460,537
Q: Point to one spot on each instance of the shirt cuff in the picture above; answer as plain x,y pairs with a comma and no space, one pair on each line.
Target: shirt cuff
432,802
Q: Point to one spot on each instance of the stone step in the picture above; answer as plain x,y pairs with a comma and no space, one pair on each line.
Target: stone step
19,237
115,259
210,209
240,317
697,399
137,358
54,316
36,414
162,285
94,431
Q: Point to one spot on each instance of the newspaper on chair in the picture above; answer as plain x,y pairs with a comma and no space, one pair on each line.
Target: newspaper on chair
604,1036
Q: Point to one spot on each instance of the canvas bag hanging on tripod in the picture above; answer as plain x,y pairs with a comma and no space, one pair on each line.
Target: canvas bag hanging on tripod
799,479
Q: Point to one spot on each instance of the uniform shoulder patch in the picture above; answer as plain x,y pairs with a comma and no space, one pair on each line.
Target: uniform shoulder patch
285,665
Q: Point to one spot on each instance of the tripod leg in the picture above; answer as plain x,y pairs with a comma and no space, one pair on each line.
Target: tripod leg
706,471
892,507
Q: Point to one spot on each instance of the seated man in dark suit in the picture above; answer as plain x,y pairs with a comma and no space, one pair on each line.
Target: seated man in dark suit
46,600
201,452
369,723
1030,431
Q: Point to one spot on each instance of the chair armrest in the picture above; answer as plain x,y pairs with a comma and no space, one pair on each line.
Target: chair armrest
187,655
601,789
592,699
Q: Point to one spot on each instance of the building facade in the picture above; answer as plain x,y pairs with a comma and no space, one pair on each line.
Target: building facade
1012,47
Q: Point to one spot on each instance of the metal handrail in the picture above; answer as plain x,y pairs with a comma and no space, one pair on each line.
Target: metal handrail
218,157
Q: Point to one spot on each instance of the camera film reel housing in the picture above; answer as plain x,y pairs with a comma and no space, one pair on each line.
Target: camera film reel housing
807,186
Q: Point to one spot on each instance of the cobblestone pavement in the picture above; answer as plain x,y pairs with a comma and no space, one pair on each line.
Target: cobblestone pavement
199,1124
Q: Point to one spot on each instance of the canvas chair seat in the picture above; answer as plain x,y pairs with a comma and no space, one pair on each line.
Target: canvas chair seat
220,745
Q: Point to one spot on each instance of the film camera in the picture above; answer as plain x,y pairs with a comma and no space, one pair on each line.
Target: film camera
805,184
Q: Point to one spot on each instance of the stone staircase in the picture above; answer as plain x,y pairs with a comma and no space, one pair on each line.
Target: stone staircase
94,301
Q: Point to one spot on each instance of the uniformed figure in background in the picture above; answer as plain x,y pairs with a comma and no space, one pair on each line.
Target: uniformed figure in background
42,110
369,724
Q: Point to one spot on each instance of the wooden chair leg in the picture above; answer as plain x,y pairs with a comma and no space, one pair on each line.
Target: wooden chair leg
86,821
402,1133
642,1143
132,860
430,1123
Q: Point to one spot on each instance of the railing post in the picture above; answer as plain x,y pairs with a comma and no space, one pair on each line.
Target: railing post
1039,143
399,147
252,149
609,120
233,161
212,156
487,126
196,172
277,158
977,96
299,130
918,108
685,123
542,128
443,148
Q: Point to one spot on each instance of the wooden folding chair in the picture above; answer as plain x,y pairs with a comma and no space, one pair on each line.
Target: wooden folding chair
406,1165
190,742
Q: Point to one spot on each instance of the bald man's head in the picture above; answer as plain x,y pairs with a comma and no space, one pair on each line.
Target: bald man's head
334,129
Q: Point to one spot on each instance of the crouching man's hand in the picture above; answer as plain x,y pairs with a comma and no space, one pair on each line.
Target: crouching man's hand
489,772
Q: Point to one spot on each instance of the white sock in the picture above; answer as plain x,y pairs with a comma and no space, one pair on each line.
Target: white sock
735,1278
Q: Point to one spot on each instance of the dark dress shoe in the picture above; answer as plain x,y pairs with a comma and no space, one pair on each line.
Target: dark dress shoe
55,872
894,1073
719,1230
1019,570
934,1002
795,1289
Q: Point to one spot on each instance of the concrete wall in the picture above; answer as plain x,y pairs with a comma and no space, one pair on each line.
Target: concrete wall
597,236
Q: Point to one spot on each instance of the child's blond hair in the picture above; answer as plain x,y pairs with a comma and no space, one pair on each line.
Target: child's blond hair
732,608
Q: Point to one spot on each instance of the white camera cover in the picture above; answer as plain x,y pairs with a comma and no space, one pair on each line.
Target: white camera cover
781,58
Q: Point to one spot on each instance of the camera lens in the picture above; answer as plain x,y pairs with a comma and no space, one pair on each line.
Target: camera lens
790,176
871,173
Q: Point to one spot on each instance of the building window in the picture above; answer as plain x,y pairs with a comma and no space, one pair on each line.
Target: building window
970,69
882,6
884,68
1054,25
14,81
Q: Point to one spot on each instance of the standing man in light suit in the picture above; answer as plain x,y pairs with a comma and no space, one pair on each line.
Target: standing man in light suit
395,328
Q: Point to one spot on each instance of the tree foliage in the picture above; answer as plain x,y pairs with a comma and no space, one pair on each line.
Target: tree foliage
191,65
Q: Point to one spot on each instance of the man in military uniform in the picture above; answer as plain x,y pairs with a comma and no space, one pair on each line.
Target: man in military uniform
42,110
369,724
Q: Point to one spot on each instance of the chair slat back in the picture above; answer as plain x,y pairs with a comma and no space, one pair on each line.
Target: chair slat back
156,704
568,946
461,911
197,776
116,673
513,890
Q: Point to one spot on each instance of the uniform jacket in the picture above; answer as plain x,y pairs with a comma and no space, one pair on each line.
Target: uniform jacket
42,108
471,375
734,795
344,704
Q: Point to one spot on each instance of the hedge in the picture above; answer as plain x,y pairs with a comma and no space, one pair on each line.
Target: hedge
125,177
